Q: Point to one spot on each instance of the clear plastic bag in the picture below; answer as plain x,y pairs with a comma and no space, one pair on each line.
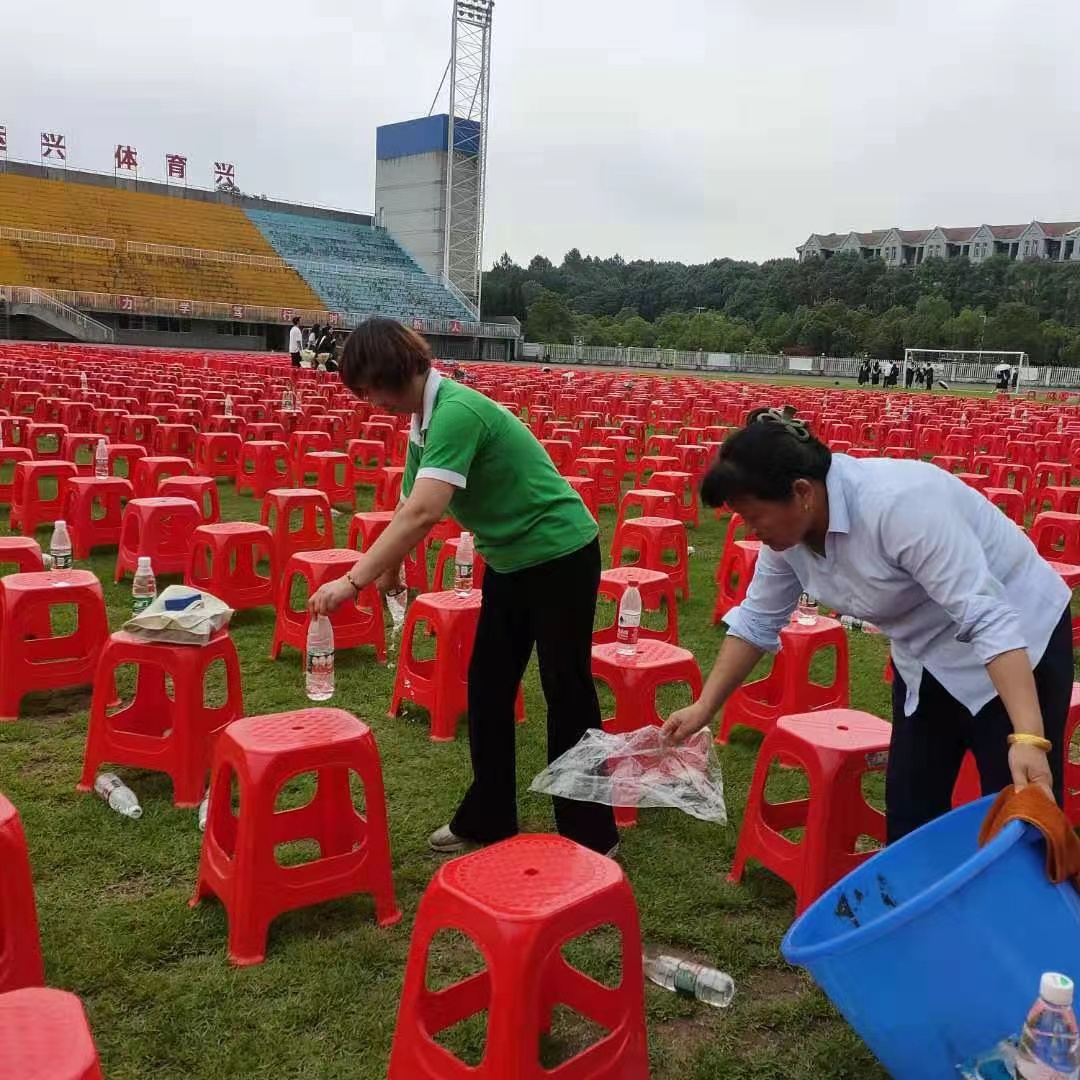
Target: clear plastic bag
636,769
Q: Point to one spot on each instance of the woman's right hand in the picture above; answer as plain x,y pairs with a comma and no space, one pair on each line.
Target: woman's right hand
683,723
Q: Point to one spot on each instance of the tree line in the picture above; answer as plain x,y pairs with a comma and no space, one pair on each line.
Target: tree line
842,306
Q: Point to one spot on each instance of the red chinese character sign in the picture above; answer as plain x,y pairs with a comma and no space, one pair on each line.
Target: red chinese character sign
455,326
175,167
126,157
224,175
3,139
237,311
418,324
287,314
184,307
53,146
125,303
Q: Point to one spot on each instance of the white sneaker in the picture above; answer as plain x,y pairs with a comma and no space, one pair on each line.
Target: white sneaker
444,842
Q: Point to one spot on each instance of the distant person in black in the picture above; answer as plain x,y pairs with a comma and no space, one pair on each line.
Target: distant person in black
326,346
909,376
864,372
1016,377
929,375
894,374
875,373
1003,379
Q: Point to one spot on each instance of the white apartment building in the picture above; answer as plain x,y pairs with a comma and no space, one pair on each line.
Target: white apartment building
1058,241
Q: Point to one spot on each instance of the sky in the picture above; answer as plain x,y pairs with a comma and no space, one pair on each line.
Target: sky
683,129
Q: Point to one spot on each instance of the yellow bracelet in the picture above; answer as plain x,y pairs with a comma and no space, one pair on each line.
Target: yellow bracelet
1027,739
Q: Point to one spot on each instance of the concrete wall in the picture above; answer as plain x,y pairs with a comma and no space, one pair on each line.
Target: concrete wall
410,201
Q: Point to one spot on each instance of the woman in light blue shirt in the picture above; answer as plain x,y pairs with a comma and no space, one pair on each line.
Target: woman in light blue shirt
978,620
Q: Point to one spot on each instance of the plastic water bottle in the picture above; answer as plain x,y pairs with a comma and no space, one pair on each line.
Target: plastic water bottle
1049,1043
144,586
690,980
629,621
228,405
849,622
118,795
287,402
806,610
463,565
204,812
101,460
60,546
83,384
320,659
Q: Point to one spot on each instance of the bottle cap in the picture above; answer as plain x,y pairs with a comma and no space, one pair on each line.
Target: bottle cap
465,535
61,524
1055,988
144,564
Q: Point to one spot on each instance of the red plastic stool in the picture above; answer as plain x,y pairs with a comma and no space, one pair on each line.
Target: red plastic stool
734,572
159,528
585,486
264,431
1057,537
175,440
634,680
1063,500
32,503
150,471
1008,500
653,502
217,454
681,485
201,490
301,443
165,731
20,948
10,456
44,441
223,560
309,510
238,863
1071,803
834,748
445,560
788,688
652,538
122,458
520,901
138,428
367,457
368,525
94,510
655,587
263,465
333,475
80,447
1010,474
561,453
355,624
604,473
650,463
388,487
44,1035
22,552
30,662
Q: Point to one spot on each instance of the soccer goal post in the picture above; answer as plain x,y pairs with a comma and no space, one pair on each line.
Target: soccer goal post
970,365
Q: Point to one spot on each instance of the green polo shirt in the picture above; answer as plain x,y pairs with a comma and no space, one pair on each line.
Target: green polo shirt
508,493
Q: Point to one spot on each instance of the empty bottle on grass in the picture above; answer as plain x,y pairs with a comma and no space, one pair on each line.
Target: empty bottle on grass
629,619
204,812
463,565
319,675
101,460
143,586
688,979
1049,1043
118,795
60,546
849,622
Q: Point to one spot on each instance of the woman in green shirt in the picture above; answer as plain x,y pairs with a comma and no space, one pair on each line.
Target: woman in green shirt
471,457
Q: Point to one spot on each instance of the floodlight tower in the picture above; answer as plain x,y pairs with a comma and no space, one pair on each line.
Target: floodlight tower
466,172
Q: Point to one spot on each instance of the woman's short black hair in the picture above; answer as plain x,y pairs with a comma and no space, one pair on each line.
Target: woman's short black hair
381,354
764,459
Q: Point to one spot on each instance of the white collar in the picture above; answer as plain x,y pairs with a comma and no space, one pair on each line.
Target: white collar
420,423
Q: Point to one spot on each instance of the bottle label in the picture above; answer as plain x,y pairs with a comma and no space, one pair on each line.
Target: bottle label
320,663
685,982
61,560
141,603
463,574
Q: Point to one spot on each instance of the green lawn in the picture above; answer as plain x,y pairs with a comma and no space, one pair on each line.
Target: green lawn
164,1001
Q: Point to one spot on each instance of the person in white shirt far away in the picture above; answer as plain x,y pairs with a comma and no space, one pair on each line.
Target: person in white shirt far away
979,622
296,341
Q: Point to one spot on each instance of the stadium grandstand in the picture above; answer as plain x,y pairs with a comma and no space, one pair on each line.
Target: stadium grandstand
88,256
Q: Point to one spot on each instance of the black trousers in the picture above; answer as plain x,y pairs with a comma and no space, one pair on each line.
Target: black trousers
552,606
295,358
928,747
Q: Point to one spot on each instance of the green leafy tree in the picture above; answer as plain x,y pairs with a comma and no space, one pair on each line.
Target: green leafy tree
549,319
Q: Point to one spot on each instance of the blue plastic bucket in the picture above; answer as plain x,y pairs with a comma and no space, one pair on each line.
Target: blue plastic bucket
933,949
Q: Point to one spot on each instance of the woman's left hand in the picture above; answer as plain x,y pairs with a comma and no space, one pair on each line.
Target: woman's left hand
1030,765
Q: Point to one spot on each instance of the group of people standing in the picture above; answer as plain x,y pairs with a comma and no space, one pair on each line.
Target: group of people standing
320,341
872,372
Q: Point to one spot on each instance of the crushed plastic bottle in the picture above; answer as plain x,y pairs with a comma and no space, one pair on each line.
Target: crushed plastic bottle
143,586
849,622
397,604
688,979
101,460
118,795
1050,1043
463,565
629,619
319,668
60,546
204,811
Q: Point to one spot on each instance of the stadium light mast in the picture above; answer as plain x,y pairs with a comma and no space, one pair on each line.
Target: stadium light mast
466,172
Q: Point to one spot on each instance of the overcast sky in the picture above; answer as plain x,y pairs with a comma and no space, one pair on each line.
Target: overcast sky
681,129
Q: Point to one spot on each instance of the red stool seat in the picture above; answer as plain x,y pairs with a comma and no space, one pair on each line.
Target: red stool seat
605,474
217,454
168,732
650,463
332,471
561,453
1057,537
201,490
1063,500
653,502
138,428
585,486
681,485
80,447
301,443
29,661
978,481
45,441
653,539
355,624
788,687
224,559
309,510
368,525
94,510
635,680
150,471
656,589
20,948
835,749
1009,500
44,1035
238,863
23,552
37,493
520,901
160,529
175,440
263,465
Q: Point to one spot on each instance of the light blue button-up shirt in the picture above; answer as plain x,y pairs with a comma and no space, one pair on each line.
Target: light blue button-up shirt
927,559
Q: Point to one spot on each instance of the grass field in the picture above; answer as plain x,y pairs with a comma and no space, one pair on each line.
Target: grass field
164,1001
